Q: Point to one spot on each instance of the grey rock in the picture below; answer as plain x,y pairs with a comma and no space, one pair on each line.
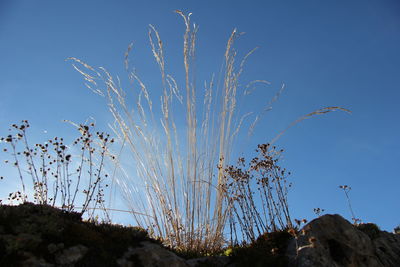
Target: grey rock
32,260
151,254
332,241
387,248
71,255
53,248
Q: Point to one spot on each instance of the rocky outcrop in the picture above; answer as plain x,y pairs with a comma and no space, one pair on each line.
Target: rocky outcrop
332,241
32,235
387,248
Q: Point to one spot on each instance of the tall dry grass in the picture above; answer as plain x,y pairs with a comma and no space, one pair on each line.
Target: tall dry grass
177,192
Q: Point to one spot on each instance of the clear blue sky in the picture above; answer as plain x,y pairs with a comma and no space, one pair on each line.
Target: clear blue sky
328,53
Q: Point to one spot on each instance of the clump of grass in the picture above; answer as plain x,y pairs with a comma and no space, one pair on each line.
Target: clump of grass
179,192
58,172
176,192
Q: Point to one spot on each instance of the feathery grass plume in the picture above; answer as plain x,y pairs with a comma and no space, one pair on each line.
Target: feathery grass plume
177,192
177,184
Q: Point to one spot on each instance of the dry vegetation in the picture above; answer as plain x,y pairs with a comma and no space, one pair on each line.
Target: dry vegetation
184,190
60,174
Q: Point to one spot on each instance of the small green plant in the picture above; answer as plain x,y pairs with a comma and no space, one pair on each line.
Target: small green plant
55,177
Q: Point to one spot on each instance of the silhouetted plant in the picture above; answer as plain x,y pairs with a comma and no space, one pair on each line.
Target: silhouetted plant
318,211
55,178
263,174
346,189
